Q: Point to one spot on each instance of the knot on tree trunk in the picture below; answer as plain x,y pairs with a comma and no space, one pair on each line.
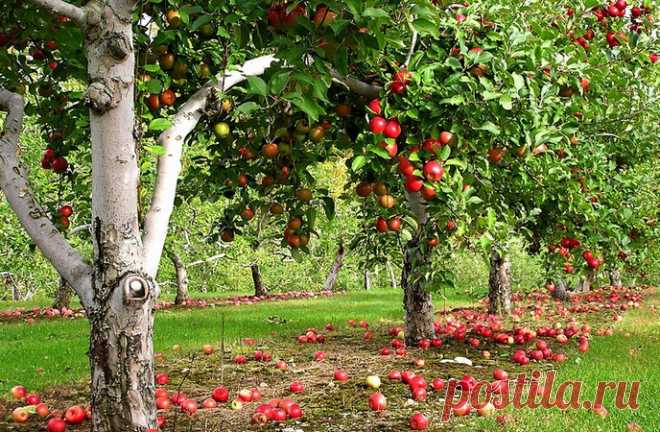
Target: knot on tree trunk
103,95
118,45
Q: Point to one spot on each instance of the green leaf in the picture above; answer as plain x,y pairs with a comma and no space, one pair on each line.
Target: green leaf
257,86
306,104
506,102
329,207
518,81
425,27
204,19
247,107
445,152
490,127
454,100
379,151
159,124
154,86
278,82
358,163
155,150
375,13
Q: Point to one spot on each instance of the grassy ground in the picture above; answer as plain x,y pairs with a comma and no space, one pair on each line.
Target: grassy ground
631,354
54,352
58,347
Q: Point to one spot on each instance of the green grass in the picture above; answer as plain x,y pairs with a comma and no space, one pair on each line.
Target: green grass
609,359
53,352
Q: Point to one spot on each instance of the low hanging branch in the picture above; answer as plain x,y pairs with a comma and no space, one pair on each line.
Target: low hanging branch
13,181
169,164
59,7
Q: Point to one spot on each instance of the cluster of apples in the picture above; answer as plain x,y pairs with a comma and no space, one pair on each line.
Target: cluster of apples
58,422
277,411
50,160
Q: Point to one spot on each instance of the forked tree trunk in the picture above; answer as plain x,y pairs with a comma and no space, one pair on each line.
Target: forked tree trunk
615,278
331,279
63,295
181,279
367,280
259,289
416,298
499,284
121,350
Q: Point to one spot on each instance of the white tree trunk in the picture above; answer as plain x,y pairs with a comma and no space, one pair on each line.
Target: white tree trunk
367,280
615,278
499,284
121,350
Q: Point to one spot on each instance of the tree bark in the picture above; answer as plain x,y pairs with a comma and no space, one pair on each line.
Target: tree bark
417,302
259,289
615,278
561,290
121,343
499,284
331,279
63,295
585,284
181,279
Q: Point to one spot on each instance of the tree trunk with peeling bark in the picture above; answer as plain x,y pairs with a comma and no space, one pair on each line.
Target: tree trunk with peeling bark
499,284
615,278
331,279
63,295
259,289
585,284
417,302
181,279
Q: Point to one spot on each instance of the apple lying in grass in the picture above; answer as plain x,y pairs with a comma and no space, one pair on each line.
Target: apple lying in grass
161,393
487,410
56,425
162,379
220,394
394,376
75,415
373,381
418,421
20,415
438,384
209,403
42,410
319,356
236,405
281,365
178,397
163,404
462,409
377,402
245,395
32,399
207,349
189,406
18,392
419,393
297,387
340,376
240,359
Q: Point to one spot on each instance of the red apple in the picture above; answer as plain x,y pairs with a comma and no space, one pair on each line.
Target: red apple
56,425
418,421
220,394
74,415
341,376
20,415
297,387
18,392
377,402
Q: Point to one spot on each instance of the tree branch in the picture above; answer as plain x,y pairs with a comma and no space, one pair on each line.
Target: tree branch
59,7
169,164
356,86
35,220
417,206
